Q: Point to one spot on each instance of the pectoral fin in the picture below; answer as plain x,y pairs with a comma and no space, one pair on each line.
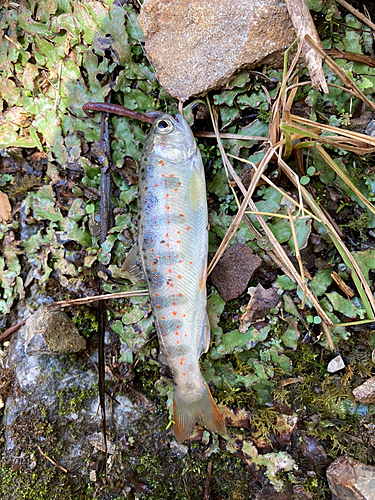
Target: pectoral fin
205,338
132,267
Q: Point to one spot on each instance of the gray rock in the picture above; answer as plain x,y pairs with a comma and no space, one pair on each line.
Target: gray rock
365,393
55,404
52,332
350,479
198,46
336,364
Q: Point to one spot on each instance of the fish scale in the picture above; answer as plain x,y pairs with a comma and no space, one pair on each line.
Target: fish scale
173,244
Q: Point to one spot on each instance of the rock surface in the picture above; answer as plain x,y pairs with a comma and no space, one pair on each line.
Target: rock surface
198,46
365,393
350,479
52,333
54,404
234,270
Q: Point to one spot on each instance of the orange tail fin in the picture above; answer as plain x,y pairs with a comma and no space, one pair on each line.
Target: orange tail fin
189,408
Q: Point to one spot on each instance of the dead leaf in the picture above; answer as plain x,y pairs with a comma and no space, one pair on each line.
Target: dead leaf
259,306
5,207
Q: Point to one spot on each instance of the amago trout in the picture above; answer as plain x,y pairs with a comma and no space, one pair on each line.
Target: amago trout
173,245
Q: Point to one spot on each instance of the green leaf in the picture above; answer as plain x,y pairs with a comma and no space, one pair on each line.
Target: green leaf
366,262
215,306
342,305
321,281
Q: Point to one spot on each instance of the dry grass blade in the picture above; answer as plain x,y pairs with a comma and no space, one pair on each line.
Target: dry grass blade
285,195
340,73
357,275
224,135
357,13
95,298
298,256
344,177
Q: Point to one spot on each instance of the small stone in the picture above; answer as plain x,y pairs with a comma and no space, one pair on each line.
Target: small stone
178,450
350,479
234,270
286,425
370,129
300,493
198,46
52,332
336,364
313,451
365,393
92,475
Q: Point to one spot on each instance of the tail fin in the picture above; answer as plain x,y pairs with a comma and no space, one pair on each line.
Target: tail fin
189,408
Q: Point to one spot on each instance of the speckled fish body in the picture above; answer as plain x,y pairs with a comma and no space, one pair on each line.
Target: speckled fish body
173,245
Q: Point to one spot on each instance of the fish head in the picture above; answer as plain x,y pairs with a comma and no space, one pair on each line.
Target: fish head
170,139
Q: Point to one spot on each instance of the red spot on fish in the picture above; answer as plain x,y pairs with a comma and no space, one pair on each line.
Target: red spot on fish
177,342
171,175
168,222
185,335
187,229
171,284
155,270
158,307
177,333
161,161
166,196
163,317
162,175
169,270
178,232
163,334
156,185
180,261
157,294
174,303
174,313
167,207
148,232
155,218
166,235
179,276
181,215
180,350
190,263
183,374
181,362
177,327
184,315
156,276
179,184
176,189
167,245
170,362
180,294
178,241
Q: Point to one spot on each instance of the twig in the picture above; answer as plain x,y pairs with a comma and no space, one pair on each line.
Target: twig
51,460
356,12
106,107
304,24
207,484
12,329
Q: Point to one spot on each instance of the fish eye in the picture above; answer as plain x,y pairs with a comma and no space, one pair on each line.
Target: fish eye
164,127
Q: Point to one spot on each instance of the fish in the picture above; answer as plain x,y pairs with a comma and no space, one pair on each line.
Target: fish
172,253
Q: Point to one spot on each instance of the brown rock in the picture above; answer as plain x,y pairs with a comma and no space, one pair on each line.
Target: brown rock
197,46
350,479
234,270
365,393
286,425
52,332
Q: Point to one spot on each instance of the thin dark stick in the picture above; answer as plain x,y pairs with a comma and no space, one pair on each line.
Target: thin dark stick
106,107
207,485
105,189
12,329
